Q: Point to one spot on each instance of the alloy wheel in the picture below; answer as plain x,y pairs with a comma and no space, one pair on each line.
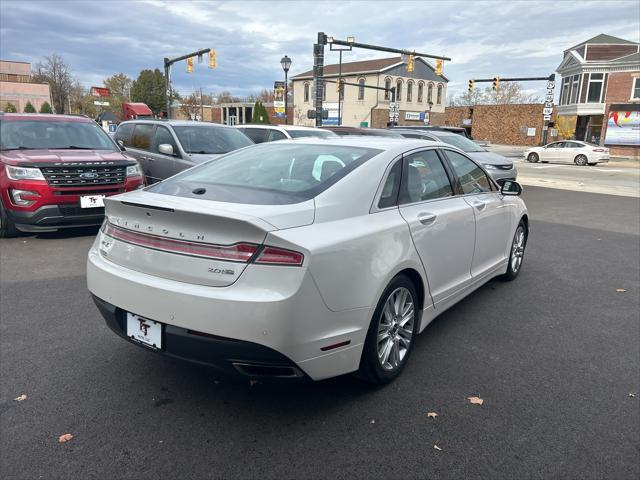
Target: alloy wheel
395,330
581,160
517,249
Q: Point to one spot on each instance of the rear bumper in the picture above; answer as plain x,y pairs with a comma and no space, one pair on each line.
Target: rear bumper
228,355
279,309
53,217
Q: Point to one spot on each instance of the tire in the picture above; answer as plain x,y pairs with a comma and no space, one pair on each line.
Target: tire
7,227
383,360
581,160
533,158
516,257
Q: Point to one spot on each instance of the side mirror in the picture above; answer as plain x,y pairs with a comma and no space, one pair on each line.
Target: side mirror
165,148
121,145
509,187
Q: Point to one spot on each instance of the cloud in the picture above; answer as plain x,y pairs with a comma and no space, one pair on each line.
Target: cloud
98,39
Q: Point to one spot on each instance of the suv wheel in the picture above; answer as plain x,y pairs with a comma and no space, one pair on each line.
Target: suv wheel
7,227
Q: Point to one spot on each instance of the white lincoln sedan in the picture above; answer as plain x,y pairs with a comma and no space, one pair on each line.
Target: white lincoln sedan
305,259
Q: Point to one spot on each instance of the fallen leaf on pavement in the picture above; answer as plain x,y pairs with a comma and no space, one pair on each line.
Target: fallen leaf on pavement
476,400
65,438
437,447
21,398
632,395
620,290
432,414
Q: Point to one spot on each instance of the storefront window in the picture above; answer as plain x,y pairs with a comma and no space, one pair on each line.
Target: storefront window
595,88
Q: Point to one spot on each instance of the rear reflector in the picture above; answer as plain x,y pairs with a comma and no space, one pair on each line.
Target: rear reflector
279,256
335,345
239,252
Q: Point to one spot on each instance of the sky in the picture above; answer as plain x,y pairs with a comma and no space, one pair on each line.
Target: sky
483,39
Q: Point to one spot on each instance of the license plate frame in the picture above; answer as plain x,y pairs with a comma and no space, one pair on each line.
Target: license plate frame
92,201
144,331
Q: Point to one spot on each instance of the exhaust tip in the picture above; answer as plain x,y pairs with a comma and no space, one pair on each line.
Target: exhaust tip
271,371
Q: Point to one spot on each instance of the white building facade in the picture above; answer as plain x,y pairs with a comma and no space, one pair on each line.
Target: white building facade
421,94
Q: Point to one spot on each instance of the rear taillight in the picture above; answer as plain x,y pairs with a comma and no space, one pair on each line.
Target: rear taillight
279,256
599,150
240,252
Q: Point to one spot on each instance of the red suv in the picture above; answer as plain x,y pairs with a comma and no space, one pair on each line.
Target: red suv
55,171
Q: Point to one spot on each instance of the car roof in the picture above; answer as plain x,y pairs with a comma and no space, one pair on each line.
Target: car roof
176,123
44,117
425,132
389,144
283,127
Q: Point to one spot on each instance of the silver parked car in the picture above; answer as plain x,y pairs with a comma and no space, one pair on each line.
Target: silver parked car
500,168
270,133
164,148
305,258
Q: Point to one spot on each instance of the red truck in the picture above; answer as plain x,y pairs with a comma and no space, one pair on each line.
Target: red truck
135,110
55,171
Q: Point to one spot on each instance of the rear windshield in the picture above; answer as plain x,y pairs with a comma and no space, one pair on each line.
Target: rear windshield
51,134
310,133
268,174
209,139
463,143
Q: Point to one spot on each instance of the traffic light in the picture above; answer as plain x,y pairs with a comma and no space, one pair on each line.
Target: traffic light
472,86
212,58
410,63
190,65
338,86
439,65
496,83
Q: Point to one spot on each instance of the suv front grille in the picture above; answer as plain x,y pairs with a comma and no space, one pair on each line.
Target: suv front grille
79,176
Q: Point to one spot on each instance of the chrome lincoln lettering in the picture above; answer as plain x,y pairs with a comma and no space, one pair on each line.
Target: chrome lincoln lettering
200,237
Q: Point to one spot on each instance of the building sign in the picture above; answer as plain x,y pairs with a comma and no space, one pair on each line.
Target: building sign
332,113
278,99
623,128
414,116
548,101
100,92
104,104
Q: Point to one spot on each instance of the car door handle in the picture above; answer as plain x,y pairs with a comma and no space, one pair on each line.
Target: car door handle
144,157
427,218
479,205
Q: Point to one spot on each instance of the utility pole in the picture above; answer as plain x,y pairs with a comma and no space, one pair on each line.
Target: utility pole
201,106
168,62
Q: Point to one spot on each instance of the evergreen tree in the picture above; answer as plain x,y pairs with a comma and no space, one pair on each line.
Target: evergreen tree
45,108
149,88
11,108
29,108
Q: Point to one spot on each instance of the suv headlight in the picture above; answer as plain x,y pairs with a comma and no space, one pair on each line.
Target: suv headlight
490,167
23,173
134,171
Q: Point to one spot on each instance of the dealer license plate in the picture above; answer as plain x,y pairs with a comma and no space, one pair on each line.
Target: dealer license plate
91,201
145,331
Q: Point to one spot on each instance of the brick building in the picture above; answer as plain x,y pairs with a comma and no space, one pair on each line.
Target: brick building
17,88
236,113
600,93
417,92
512,124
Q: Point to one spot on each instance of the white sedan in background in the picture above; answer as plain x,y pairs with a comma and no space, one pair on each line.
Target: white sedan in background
568,151
309,258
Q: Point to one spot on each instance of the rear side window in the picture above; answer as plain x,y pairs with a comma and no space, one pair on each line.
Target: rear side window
269,174
124,133
391,186
141,138
425,179
275,135
258,135
472,177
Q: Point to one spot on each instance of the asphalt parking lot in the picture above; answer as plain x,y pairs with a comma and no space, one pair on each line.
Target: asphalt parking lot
555,356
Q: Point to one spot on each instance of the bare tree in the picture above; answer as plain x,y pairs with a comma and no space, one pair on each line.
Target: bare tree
190,106
507,93
55,72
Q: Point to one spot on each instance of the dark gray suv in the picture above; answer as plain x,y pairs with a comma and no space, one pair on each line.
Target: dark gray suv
165,148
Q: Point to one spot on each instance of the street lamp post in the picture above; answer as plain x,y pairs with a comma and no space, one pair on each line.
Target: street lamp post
430,106
286,64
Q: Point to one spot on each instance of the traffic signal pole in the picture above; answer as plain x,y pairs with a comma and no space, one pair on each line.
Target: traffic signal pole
167,72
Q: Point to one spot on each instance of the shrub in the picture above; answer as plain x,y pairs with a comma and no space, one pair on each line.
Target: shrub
29,108
46,108
11,108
